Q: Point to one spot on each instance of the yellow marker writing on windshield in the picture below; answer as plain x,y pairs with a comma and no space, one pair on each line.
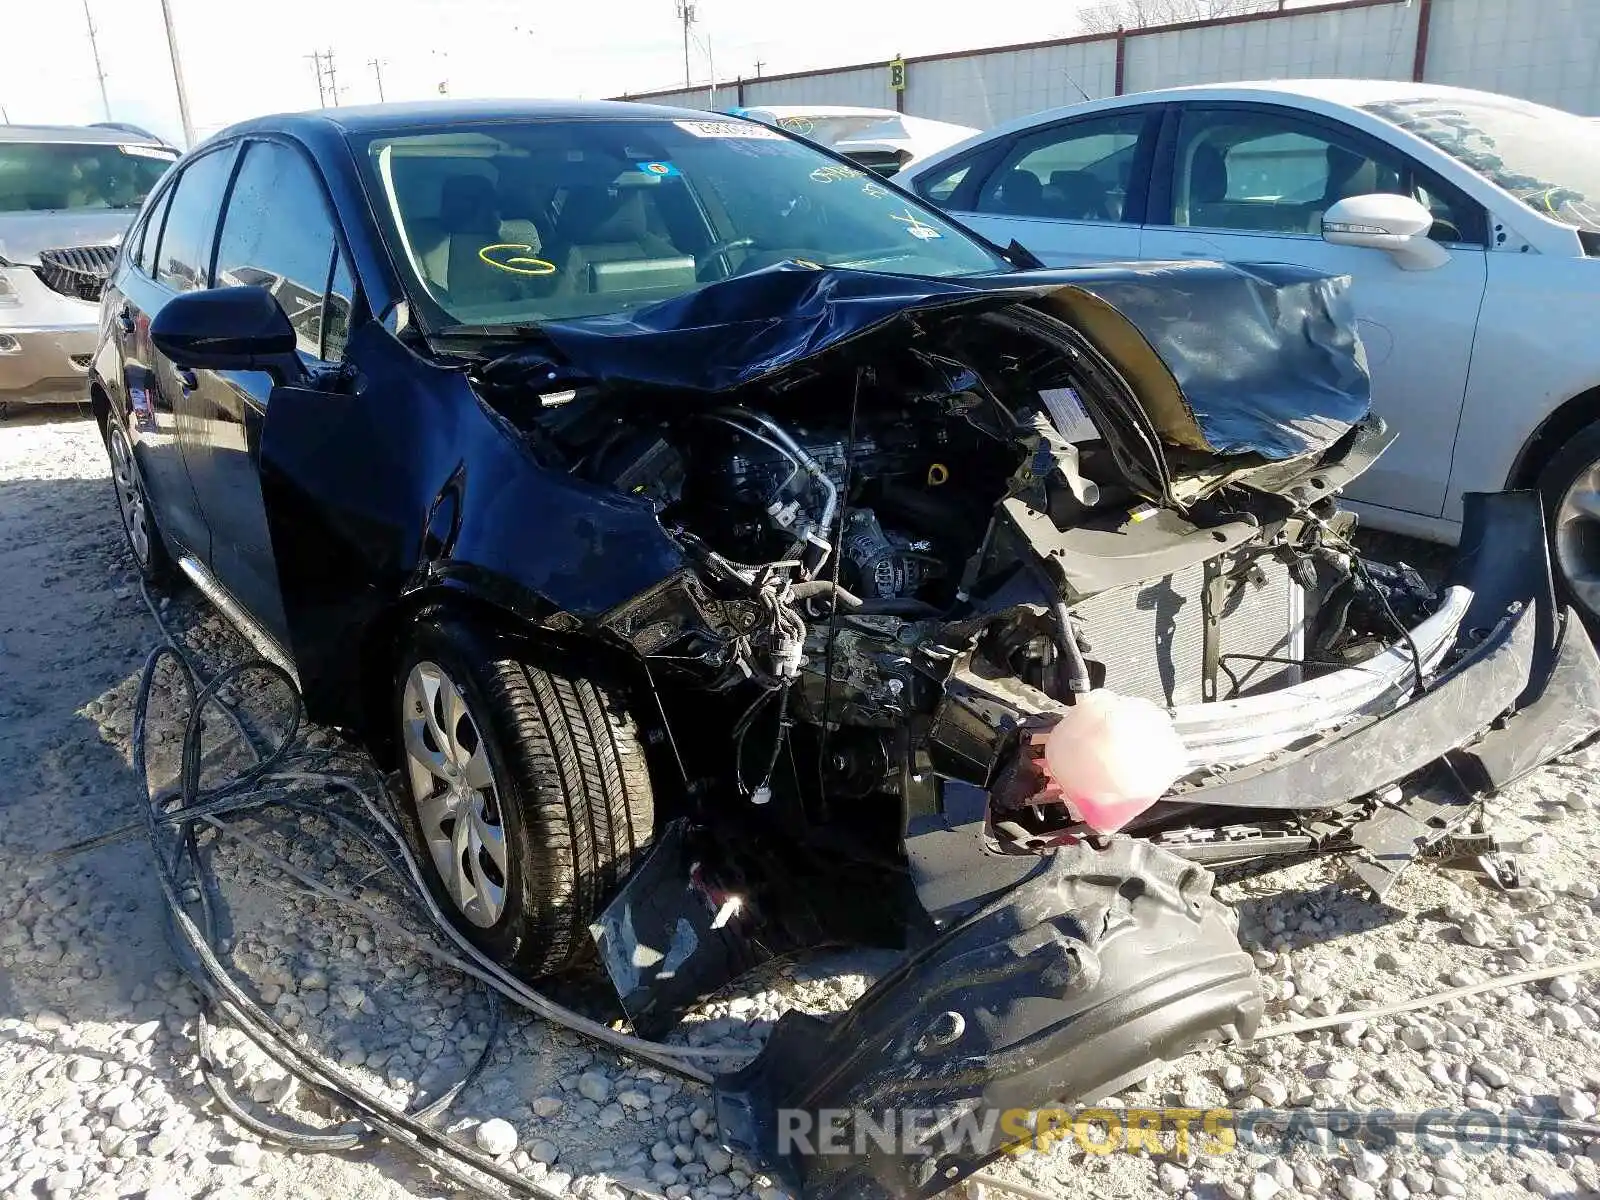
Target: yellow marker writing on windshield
516,264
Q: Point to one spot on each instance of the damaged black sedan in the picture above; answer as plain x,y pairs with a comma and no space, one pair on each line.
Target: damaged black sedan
731,555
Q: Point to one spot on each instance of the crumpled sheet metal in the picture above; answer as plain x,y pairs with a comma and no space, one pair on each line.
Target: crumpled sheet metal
1230,360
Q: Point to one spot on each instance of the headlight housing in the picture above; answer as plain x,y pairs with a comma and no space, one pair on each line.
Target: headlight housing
9,296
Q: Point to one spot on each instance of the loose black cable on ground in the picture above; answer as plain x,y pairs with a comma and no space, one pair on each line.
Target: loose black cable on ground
279,779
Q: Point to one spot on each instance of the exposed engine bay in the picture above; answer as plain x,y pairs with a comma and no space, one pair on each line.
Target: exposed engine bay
861,531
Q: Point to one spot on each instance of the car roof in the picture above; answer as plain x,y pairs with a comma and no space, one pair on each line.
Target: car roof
442,114
1349,93
1352,92
819,110
84,135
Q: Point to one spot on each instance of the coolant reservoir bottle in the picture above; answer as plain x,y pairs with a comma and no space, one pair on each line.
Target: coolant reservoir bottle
1114,756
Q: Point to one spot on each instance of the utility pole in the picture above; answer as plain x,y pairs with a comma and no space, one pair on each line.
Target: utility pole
377,71
94,48
686,15
333,77
327,81
177,75
316,66
760,62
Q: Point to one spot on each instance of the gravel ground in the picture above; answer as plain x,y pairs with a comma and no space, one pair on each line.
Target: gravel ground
100,1096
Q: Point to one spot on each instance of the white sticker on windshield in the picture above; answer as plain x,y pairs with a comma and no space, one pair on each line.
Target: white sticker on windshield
149,152
730,129
1071,419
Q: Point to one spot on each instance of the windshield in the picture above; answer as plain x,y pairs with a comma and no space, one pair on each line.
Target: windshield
521,222
46,176
1546,158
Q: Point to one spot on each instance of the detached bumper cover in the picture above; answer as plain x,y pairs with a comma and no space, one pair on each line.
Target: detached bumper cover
1098,968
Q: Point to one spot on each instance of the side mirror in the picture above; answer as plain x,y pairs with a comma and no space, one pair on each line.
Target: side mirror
228,329
1397,224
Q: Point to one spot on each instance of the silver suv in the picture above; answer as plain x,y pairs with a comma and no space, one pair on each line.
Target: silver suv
66,198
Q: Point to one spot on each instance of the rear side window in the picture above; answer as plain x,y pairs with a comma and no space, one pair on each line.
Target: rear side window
277,234
939,187
62,176
1080,171
184,259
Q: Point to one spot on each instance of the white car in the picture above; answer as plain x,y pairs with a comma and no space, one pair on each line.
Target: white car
880,139
1470,223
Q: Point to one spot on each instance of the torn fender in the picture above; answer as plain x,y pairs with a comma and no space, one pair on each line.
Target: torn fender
1089,974
408,482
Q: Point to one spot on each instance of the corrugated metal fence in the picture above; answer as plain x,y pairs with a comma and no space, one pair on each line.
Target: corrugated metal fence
1543,50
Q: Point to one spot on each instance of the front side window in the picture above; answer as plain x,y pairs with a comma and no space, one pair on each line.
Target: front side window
1082,171
277,234
1268,172
183,259
60,176
540,220
1548,159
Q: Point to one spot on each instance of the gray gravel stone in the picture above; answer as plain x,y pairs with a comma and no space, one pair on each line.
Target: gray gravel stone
594,1085
546,1107
496,1137
245,1154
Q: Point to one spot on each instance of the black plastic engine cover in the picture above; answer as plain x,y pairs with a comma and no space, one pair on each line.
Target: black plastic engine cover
1089,974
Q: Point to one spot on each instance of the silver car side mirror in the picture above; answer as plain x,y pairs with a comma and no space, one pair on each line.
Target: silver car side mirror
1396,224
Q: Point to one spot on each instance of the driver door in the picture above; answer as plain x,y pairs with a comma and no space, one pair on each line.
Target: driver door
276,232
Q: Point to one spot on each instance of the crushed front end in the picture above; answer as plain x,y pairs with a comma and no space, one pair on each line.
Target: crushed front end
920,525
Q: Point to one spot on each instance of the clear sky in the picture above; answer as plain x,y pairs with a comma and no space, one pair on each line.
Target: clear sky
246,57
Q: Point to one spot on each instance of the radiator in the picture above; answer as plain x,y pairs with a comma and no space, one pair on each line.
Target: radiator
1150,636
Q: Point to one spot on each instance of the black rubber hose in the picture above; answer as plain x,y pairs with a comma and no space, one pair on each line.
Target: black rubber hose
1074,667
847,601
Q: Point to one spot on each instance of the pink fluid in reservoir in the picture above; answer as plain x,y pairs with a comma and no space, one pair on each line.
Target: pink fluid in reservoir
1113,756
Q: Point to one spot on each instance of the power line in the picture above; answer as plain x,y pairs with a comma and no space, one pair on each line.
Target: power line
99,72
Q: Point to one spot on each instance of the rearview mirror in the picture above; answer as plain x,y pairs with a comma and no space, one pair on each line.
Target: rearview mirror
1397,224
228,329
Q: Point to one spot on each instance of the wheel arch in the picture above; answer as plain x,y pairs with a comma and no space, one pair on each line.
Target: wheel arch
1562,424
501,629
99,404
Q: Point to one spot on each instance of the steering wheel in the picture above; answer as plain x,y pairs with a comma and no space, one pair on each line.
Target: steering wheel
503,256
703,259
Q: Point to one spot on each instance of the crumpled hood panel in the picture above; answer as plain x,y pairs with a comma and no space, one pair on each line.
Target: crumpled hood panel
1228,360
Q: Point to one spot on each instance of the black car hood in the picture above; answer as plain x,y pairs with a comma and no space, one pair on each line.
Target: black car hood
1224,359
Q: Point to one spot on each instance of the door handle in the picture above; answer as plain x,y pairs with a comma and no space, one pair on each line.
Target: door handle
187,380
125,320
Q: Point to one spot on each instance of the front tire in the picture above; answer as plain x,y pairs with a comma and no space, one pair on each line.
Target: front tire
1570,488
529,795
